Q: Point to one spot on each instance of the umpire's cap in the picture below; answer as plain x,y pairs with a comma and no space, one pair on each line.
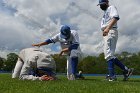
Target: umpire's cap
65,31
102,2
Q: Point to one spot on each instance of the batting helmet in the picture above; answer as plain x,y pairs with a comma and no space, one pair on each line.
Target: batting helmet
65,32
102,2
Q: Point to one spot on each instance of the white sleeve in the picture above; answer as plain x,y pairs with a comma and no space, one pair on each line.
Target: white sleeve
29,77
76,38
22,54
24,75
55,38
17,68
114,12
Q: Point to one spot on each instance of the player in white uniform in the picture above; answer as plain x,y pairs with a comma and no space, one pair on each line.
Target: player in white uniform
69,41
110,35
34,64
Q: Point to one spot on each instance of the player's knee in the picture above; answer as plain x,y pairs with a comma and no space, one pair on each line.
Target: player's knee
74,53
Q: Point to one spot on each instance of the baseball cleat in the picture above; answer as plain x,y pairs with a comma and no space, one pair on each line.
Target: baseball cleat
127,74
72,77
113,78
80,75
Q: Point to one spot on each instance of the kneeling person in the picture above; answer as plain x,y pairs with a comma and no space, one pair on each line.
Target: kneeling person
34,64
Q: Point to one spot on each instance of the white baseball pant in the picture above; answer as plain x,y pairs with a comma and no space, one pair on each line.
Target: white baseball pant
110,42
74,53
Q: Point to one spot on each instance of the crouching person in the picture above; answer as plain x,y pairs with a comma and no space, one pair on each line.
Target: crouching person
34,64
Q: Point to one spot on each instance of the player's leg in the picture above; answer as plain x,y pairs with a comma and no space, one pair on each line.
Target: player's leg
126,71
114,38
111,68
74,61
109,50
108,55
120,64
17,68
69,70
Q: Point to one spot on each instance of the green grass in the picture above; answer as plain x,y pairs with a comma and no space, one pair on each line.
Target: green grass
89,85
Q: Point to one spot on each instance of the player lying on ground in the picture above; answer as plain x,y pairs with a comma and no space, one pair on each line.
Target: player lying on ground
34,64
110,35
69,41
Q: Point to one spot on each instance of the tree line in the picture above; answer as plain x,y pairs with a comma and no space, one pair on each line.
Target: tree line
89,64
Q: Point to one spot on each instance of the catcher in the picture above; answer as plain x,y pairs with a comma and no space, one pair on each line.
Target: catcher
34,64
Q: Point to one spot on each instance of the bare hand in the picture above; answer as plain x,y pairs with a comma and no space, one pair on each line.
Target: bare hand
47,78
43,77
105,32
38,45
60,54
63,51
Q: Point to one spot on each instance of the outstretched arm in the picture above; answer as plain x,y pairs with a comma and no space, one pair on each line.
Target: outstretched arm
40,44
17,68
48,41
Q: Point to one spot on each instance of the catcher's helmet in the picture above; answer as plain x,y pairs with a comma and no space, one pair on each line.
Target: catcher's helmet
102,2
65,32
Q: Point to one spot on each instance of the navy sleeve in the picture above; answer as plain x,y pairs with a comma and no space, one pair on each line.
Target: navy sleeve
73,46
49,41
117,18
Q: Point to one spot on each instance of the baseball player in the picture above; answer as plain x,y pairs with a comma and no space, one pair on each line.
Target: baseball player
110,36
34,64
69,41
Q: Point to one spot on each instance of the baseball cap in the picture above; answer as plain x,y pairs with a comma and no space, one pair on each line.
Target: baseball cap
102,2
65,31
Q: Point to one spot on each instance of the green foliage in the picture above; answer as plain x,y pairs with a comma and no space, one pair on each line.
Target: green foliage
89,64
1,63
101,66
60,63
10,62
86,65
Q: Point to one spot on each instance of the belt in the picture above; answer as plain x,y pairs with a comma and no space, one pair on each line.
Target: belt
114,27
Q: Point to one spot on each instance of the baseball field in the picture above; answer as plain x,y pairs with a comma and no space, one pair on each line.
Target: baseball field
91,84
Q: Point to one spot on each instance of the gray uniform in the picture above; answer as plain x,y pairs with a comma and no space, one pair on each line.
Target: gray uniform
29,59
